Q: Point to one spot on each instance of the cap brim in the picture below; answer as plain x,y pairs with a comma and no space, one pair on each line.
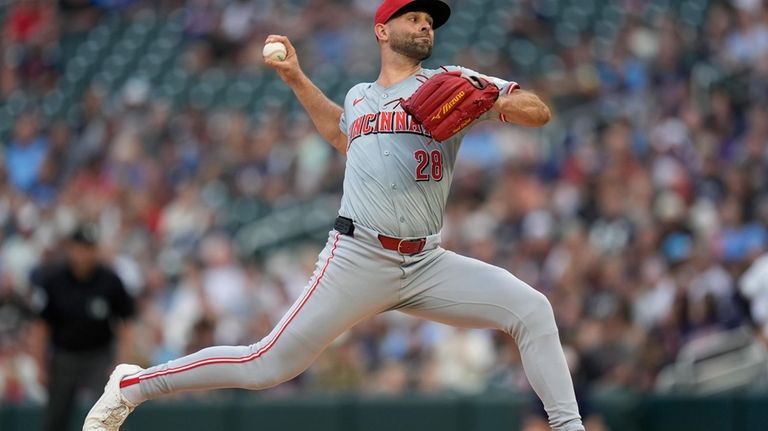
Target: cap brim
438,10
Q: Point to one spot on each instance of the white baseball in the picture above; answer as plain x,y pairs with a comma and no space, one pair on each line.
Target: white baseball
275,51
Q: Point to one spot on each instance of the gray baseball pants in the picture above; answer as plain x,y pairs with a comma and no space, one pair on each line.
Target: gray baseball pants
356,278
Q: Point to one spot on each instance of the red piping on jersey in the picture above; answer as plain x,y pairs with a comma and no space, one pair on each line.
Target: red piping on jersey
512,87
130,381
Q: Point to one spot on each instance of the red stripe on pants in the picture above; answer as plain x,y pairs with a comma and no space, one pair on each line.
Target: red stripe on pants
130,381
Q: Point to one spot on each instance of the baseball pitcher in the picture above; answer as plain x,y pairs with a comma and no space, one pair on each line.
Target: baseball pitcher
400,135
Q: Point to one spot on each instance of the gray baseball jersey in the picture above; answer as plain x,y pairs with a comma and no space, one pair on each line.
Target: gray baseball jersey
397,181
397,178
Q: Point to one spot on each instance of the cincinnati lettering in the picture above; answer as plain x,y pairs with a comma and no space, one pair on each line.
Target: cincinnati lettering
385,122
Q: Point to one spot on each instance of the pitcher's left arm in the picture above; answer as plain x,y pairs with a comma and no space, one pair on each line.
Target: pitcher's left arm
522,107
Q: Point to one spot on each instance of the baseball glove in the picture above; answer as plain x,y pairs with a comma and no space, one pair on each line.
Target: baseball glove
448,102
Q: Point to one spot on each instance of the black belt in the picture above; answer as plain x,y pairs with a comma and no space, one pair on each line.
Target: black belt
346,226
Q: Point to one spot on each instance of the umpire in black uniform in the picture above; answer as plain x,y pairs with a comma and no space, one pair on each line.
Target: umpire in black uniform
85,309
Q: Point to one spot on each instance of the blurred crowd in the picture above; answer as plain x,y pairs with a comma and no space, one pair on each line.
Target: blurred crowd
641,211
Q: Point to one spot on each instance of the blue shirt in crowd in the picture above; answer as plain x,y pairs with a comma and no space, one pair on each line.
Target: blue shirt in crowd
23,162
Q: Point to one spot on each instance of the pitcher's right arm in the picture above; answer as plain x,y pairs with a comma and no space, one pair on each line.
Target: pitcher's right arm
323,112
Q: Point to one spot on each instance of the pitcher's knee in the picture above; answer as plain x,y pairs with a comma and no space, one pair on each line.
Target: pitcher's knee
537,317
541,317
262,377
274,367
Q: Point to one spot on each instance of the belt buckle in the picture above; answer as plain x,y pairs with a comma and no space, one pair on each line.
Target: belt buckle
399,244
421,242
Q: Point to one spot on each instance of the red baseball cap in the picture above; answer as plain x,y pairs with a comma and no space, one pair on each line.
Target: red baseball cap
439,10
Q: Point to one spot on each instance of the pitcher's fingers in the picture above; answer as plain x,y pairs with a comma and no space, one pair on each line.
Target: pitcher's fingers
282,39
276,38
273,63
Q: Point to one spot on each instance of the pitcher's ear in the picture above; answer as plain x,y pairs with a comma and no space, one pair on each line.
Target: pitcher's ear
381,31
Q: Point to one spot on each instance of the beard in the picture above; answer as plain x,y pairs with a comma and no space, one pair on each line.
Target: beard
407,45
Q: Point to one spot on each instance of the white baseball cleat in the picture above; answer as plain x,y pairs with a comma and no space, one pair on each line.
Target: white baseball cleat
112,408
